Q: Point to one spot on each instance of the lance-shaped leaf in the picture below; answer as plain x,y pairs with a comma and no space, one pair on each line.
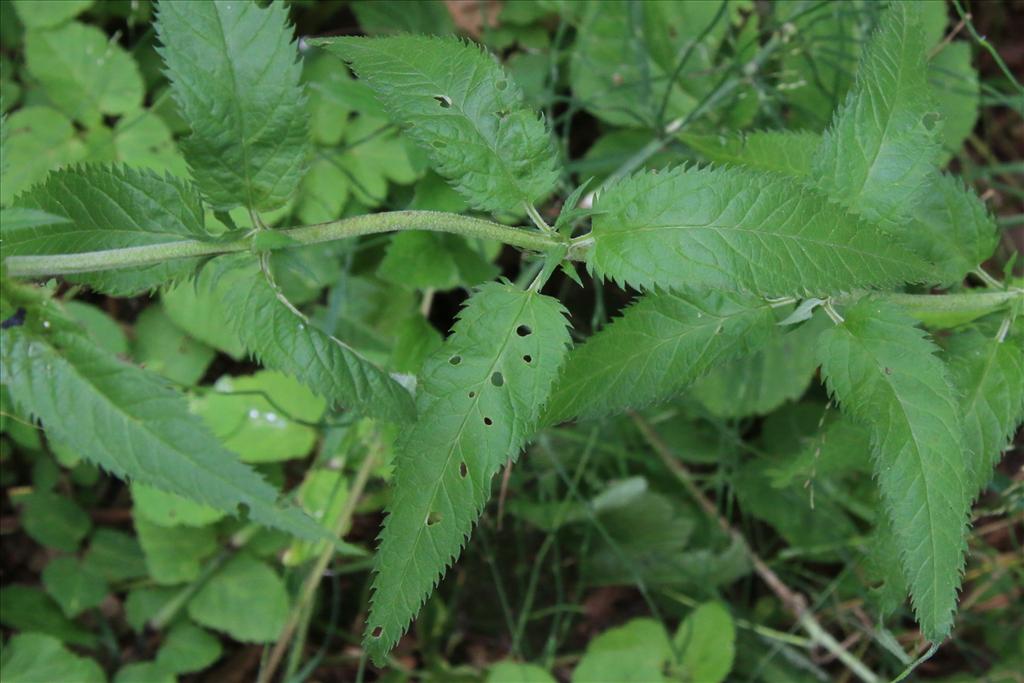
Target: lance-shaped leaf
284,340
110,207
949,225
883,143
659,345
458,104
884,372
130,422
989,376
235,75
738,229
479,399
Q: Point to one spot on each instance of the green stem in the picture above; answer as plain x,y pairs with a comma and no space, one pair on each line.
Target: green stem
435,221
924,306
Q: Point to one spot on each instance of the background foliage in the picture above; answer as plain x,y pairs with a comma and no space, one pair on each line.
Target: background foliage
592,561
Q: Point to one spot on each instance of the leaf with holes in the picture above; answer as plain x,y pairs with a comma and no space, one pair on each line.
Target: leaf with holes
479,400
456,102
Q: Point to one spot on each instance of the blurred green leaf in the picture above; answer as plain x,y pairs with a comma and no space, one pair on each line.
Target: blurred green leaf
39,658
73,585
245,599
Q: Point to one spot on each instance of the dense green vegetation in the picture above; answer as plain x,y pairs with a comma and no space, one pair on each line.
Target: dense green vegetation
522,341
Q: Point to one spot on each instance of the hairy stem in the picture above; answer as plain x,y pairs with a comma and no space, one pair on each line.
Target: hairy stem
435,221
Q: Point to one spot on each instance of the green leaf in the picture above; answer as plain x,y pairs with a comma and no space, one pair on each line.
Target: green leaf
455,101
952,228
174,554
84,73
144,672
115,555
38,658
781,151
737,229
625,62
634,653
188,648
706,644
413,16
950,72
30,609
514,672
323,495
104,331
660,344
820,58
199,309
989,378
53,520
73,586
17,218
840,446
43,14
287,342
235,75
814,528
41,139
131,423
246,599
430,259
883,371
479,399
255,416
760,382
114,207
415,340
949,225
142,140
167,509
143,604
162,347
883,143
